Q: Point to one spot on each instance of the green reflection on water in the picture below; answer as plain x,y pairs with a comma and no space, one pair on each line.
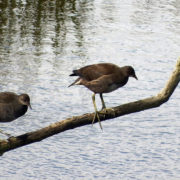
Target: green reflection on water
37,23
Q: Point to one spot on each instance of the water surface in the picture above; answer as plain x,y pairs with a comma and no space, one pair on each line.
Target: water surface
41,42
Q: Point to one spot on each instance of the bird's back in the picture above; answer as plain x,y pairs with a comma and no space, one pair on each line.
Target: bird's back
8,97
92,72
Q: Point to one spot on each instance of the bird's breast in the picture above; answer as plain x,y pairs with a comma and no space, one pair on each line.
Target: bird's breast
112,88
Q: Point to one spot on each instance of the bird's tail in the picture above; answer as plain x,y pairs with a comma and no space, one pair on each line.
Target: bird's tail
75,73
74,81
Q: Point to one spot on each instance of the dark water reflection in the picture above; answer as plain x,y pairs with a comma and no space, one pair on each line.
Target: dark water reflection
38,20
42,41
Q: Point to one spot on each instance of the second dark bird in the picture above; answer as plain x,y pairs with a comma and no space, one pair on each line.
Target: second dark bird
102,78
12,106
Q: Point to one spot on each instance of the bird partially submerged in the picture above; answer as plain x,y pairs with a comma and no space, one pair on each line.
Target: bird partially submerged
102,78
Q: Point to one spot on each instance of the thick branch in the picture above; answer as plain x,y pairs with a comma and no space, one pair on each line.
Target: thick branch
77,121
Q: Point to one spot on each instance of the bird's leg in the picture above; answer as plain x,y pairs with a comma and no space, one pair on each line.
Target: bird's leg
96,112
104,106
102,101
6,134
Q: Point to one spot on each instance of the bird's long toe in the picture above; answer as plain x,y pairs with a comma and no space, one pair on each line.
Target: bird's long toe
97,115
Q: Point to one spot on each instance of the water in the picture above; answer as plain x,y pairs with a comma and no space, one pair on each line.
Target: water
42,41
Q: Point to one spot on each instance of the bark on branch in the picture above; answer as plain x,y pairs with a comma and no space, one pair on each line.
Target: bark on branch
77,121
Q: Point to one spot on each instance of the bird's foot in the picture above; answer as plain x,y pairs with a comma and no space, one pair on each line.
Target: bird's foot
105,111
97,115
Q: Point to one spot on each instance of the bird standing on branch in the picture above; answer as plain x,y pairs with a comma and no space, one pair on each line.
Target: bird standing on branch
102,78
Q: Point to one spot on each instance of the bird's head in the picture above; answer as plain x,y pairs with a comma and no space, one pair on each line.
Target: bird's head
131,72
25,100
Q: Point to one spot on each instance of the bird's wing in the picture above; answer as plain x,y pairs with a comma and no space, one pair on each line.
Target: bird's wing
96,71
101,85
6,112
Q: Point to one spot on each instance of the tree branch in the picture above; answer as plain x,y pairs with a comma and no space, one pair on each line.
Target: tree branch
77,121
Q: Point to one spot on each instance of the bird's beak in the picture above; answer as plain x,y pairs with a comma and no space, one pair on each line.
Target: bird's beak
135,77
30,106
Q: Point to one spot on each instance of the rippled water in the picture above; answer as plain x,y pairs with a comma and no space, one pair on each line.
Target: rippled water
42,41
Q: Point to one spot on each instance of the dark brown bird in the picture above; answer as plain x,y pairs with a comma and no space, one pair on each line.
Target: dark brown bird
12,106
102,78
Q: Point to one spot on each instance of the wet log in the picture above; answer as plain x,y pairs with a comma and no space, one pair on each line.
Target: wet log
78,121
